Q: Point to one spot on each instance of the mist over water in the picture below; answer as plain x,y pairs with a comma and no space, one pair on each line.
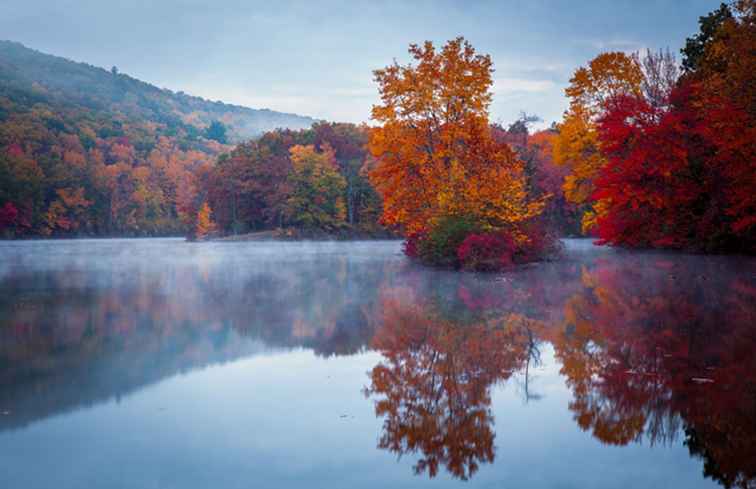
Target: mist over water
161,363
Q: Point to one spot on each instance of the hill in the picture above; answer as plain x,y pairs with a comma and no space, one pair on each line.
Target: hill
43,76
90,152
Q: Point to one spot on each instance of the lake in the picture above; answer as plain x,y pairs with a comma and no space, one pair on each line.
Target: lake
158,363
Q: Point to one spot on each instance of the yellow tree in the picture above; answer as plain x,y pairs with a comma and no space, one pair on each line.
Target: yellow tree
435,156
316,198
205,224
591,88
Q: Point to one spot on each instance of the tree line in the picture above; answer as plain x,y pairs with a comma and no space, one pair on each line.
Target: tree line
649,154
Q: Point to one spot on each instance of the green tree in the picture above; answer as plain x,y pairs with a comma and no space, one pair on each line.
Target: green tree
316,197
217,132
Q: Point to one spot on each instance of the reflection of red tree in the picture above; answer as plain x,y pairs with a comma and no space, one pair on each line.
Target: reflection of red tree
646,357
433,385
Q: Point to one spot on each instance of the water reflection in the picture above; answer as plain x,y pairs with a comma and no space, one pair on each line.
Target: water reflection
656,349
72,334
653,347
433,384
662,350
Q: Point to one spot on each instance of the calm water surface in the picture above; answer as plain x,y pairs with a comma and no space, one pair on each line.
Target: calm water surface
165,364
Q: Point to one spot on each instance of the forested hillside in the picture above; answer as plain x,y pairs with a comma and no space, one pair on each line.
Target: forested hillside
26,71
85,151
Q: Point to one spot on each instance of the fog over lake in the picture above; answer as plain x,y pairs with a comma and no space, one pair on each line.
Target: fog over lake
151,363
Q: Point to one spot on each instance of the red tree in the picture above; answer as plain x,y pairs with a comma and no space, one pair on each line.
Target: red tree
679,177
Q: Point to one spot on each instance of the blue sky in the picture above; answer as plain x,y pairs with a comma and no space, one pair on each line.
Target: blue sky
316,58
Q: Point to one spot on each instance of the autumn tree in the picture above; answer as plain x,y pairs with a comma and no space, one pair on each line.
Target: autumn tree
591,88
348,141
95,165
681,173
721,56
67,211
435,155
205,224
316,196
250,187
543,176
8,217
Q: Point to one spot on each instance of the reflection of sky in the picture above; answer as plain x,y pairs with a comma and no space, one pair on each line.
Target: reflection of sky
316,58
196,380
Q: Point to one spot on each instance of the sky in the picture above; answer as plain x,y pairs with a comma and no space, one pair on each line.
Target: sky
316,57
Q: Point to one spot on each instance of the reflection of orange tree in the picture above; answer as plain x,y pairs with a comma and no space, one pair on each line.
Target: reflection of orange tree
648,358
433,384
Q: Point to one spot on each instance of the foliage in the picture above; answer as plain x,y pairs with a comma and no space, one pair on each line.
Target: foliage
544,178
438,246
726,62
494,251
681,174
8,216
435,153
695,47
35,77
316,198
662,160
440,169
608,75
205,224
676,178
486,252
591,88
217,132
85,151
253,187
79,157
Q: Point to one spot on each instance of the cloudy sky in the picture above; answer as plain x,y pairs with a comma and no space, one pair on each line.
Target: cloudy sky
316,57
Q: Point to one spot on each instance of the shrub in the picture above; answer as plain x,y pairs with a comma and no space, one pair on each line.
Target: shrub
412,246
486,251
439,246
458,242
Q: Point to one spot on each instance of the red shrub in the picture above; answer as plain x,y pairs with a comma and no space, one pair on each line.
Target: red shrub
486,251
411,245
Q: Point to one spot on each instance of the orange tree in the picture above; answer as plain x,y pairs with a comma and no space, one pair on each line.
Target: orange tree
205,224
435,157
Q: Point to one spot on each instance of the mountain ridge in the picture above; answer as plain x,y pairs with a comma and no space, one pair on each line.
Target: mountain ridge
67,82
